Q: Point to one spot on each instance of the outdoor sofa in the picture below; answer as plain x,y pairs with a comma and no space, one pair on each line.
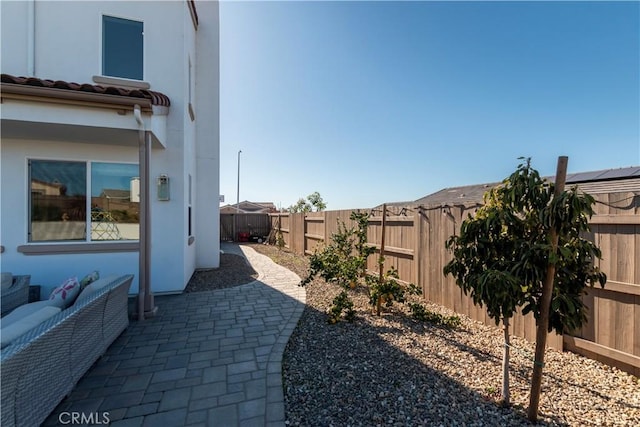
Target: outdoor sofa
15,292
40,367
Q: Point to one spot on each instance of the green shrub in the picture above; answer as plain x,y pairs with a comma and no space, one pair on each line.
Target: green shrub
419,312
341,303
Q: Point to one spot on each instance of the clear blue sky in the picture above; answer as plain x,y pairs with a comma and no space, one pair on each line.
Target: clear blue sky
372,102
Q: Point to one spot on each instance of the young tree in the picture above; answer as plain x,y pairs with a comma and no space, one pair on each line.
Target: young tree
316,201
502,254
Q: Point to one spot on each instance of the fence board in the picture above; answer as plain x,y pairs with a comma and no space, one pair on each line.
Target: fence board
313,231
286,234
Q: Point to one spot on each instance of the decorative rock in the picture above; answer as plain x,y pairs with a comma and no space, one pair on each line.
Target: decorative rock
438,376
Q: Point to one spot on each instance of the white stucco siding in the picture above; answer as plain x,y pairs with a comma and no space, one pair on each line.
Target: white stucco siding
71,115
168,221
164,69
51,270
68,46
189,61
63,28
59,24
68,40
14,40
207,182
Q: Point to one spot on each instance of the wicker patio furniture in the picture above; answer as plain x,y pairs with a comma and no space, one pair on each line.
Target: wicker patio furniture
42,366
16,294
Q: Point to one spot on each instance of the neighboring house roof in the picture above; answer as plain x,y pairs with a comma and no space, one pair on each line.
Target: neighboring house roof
603,181
397,204
604,175
258,206
46,188
459,195
249,207
155,98
116,194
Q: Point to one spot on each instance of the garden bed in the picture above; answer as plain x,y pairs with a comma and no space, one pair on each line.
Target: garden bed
393,370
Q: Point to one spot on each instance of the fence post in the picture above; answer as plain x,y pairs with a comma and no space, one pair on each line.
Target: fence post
324,226
304,234
417,251
382,232
234,235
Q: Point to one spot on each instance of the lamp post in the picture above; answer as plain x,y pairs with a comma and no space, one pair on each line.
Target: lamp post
238,193
235,220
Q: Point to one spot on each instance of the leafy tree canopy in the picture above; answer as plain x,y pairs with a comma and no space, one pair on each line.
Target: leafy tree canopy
300,206
316,201
313,200
502,252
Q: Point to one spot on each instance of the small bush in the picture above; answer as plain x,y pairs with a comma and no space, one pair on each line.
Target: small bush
343,261
341,303
388,288
419,312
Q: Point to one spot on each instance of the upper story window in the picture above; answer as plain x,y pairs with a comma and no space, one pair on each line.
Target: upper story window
122,48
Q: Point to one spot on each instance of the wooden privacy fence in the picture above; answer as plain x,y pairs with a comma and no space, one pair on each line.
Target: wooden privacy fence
612,334
415,239
256,224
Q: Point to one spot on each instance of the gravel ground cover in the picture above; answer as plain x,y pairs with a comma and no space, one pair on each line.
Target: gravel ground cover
234,270
392,370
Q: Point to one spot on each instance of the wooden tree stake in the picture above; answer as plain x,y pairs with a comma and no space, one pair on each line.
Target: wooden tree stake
547,290
506,395
381,258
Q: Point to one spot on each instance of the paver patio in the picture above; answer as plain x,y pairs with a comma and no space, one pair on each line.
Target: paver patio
207,359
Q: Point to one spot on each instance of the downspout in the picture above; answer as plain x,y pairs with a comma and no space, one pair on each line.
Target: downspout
31,38
144,197
150,308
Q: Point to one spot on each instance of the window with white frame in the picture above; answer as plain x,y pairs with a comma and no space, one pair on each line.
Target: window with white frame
122,48
67,198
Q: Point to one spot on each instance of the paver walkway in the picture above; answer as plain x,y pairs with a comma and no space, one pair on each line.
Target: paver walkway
208,359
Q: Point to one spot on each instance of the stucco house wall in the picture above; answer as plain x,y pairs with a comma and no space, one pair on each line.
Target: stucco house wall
63,41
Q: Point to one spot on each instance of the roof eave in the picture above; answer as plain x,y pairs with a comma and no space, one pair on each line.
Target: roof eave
69,97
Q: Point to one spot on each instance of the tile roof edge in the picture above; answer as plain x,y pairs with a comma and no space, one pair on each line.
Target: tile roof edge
61,89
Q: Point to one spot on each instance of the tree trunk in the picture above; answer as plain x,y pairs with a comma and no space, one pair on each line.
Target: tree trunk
506,396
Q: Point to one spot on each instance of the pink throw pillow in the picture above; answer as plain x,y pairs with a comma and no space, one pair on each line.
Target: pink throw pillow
65,294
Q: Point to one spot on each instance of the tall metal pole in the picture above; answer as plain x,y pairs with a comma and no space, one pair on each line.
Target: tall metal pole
238,193
235,218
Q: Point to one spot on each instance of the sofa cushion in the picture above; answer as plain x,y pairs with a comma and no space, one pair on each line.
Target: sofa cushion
65,294
6,281
20,327
24,311
89,278
95,287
